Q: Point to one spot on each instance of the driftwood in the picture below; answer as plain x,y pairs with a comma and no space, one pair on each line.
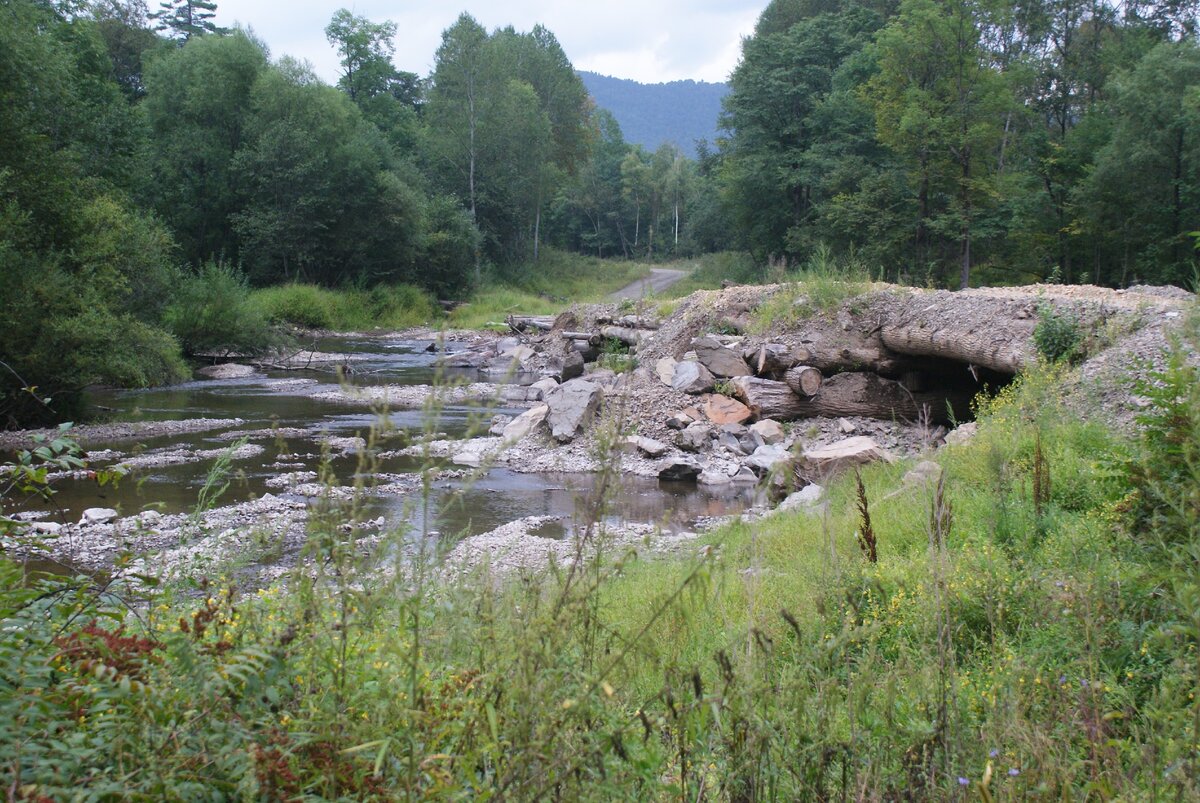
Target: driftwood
591,337
637,322
803,380
630,337
523,323
851,394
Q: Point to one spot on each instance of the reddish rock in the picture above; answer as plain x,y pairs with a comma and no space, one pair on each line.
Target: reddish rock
724,410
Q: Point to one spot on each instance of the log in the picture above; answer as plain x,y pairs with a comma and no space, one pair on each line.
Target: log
523,323
979,331
630,337
804,380
770,358
636,322
591,337
851,394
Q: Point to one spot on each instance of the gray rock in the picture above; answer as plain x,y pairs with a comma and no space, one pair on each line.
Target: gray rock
525,423
770,430
719,359
572,406
647,446
710,476
694,437
829,460
543,386
961,434
692,377
926,472
665,370
679,421
845,427
98,515
519,353
767,458
804,499
678,468
744,477
499,422
572,366
46,527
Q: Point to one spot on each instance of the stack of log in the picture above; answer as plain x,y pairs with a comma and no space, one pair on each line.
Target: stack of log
628,329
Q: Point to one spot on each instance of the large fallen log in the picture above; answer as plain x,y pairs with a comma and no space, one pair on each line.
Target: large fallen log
851,394
523,323
770,358
991,333
630,337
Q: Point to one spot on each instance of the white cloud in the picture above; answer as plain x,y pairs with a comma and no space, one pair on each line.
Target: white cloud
649,41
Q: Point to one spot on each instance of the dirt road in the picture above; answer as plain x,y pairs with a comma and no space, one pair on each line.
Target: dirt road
658,280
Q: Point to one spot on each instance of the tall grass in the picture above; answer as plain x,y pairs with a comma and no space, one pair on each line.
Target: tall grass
821,283
312,307
1022,635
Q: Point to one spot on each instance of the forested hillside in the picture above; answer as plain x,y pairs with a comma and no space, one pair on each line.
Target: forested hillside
678,112
150,160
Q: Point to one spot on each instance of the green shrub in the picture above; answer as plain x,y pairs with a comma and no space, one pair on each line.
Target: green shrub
211,312
1057,336
303,305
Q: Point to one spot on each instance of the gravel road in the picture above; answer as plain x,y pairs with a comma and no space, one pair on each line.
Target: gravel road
658,280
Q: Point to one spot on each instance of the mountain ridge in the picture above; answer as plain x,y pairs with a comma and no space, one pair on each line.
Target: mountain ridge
679,112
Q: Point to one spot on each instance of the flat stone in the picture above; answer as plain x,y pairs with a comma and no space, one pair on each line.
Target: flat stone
804,499
766,458
98,515
770,430
543,386
572,406
678,468
46,527
721,360
845,427
844,454
499,422
724,410
520,353
744,476
713,477
665,369
647,446
692,377
679,421
474,452
525,423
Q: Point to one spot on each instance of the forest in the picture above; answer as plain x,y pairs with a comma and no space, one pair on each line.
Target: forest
150,159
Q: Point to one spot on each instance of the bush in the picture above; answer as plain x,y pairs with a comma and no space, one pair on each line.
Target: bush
303,305
1058,336
211,312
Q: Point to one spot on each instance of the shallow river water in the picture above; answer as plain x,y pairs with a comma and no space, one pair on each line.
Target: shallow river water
498,497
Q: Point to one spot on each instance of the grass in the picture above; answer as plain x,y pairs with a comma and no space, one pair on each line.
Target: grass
1009,644
548,287
313,307
821,284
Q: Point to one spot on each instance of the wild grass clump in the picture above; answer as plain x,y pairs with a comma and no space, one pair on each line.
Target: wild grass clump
312,307
823,282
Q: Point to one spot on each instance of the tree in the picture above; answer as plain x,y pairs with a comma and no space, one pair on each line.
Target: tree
1146,181
941,106
123,26
183,19
366,49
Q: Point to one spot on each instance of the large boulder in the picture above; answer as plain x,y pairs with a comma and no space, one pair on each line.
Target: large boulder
721,360
724,410
692,377
525,423
678,468
806,499
98,515
572,406
826,461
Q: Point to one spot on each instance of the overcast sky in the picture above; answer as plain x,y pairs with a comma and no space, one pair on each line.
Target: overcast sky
646,40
